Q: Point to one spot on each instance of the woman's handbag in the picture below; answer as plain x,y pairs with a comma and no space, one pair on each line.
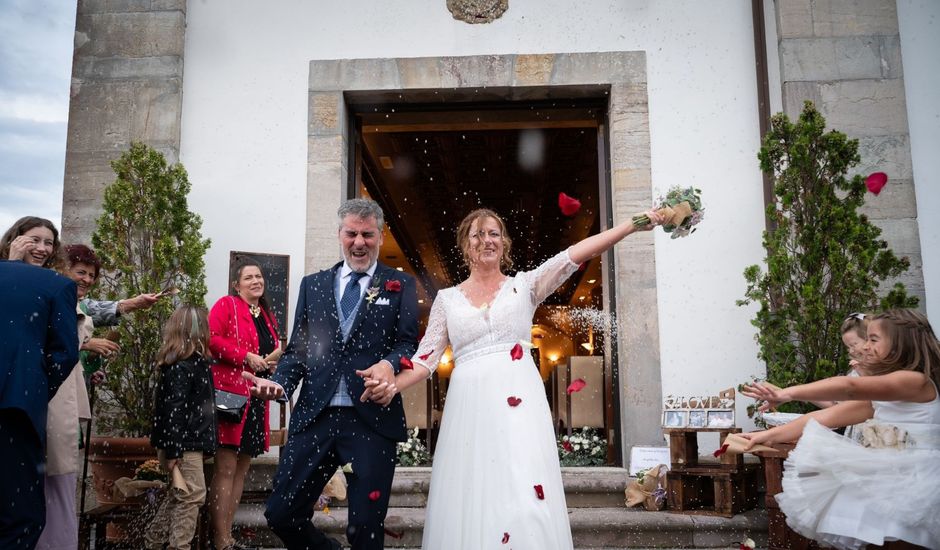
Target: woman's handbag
230,407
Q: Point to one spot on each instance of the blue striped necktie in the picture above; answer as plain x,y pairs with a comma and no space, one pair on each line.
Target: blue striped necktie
351,295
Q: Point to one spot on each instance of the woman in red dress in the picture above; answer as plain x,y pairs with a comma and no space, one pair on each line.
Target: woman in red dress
243,337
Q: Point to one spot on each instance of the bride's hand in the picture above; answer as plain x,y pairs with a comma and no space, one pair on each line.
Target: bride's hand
655,219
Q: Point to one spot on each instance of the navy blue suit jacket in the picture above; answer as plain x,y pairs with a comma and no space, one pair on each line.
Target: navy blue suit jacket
38,338
318,356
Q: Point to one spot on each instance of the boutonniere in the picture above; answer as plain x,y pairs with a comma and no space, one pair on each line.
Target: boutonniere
372,292
393,286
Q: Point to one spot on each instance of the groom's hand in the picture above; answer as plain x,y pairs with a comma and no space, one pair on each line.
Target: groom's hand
264,389
379,383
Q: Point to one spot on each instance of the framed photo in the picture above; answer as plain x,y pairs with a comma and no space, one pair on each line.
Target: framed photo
697,419
675,419
721,418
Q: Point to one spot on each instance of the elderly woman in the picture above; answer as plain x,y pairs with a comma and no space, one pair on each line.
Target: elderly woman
69,406
243,337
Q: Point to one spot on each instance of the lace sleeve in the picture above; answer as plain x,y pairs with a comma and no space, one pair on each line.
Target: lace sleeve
435,339
544,279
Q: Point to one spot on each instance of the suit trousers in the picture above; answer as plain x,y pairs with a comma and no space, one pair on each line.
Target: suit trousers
22,462
335,438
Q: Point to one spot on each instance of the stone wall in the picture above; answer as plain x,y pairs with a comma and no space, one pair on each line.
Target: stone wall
127,74
845,56
630,177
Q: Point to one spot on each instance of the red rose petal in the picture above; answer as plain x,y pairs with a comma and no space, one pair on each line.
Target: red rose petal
876,181
394,534
582,266
406,363
576,386
516,352
393,286
374,495
569,206
539,492
505,538
721,451
567,446
513,401
426,355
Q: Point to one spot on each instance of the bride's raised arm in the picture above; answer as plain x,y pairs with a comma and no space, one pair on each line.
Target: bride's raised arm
595,245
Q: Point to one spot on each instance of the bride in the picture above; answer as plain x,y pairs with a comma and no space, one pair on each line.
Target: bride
496,482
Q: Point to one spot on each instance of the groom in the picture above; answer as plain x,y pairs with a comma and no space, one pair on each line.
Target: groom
352,322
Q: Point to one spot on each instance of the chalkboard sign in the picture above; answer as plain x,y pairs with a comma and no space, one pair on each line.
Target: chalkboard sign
276,271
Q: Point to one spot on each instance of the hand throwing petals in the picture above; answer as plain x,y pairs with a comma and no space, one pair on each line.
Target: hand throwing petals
516,352
569,206
576,386
406,363
513,401
539,492
875,182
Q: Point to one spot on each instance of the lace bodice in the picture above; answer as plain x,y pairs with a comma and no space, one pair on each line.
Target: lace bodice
502,323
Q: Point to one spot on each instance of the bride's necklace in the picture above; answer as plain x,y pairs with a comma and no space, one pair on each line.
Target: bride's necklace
255,310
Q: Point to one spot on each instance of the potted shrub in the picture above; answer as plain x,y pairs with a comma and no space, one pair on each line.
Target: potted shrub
148,241
824,259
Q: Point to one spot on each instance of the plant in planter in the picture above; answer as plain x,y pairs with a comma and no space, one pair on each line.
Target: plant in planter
148,241
824,260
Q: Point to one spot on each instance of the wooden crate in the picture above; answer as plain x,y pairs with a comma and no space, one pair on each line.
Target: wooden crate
713,491
683,448
779,534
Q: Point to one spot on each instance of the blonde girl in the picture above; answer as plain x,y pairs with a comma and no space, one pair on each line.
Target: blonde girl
184,429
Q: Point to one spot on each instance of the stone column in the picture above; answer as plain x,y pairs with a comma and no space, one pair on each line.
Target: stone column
845,56
127,76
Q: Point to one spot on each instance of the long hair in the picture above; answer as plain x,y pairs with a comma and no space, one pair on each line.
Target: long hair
913,344
24,224
463,236
185,333
241,262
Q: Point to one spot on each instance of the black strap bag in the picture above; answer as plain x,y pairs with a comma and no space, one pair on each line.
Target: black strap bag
230,407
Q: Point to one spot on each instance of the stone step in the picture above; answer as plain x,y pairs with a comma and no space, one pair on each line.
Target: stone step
596,487
591,528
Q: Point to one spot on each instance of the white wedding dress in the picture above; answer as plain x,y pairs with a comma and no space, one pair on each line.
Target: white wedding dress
490,455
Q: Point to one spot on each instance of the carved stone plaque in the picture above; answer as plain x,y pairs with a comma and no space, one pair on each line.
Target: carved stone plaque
477,11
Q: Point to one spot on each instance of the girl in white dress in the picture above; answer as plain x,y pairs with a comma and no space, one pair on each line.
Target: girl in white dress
496,482
885,487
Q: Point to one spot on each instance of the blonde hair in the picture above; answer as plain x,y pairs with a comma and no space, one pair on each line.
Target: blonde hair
857,322
186,332
463,236
912,344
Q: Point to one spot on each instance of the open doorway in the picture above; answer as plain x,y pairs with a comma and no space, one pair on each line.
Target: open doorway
430,163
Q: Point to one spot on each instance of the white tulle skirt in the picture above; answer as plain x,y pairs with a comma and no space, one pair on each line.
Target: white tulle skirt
844,495
489,458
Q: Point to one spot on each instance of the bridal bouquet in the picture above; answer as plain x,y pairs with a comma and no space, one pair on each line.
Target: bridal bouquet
682,208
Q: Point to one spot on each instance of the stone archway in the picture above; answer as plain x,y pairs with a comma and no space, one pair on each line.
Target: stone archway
536,75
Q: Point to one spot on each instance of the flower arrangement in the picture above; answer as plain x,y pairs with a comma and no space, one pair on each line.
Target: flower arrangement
682,208
413,452
150,470
582,448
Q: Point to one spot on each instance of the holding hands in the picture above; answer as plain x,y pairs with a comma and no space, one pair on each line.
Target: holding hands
262,388
379,382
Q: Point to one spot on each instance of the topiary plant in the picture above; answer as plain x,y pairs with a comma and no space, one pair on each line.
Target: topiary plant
148,241
824,260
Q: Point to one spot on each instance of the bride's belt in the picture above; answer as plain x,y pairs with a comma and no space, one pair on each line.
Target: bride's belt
503,347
